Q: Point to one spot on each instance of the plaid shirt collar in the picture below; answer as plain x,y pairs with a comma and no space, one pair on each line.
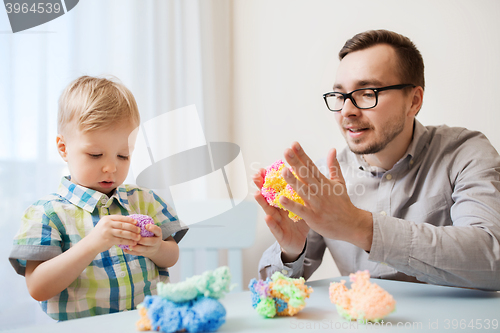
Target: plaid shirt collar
87,198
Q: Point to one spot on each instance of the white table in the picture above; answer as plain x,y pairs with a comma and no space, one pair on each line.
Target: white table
420,307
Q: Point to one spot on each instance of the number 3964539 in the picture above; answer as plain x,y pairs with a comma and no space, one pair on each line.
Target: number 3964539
36,8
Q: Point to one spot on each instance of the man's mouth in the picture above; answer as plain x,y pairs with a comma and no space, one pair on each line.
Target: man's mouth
356,130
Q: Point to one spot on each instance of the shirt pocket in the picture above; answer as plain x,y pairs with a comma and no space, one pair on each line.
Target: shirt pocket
434,210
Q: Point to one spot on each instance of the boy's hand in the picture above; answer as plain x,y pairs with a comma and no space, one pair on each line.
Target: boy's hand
114,230
147,246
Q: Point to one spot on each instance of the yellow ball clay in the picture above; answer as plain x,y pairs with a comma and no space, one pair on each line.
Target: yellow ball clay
275,186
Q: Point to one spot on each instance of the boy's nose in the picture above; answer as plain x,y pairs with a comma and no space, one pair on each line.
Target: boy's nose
109,166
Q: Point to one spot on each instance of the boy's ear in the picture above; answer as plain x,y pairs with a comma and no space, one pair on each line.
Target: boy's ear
132,138
61,147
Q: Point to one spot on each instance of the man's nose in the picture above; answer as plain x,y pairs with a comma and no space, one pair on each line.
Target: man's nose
349,109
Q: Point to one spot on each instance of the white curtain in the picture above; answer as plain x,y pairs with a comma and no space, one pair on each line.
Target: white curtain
164,51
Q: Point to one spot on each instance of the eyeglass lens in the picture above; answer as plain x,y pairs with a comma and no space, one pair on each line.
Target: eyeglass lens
363,99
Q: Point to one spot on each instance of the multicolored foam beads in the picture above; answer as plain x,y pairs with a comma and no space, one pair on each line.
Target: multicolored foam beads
280,295
213,284
191,305
203,314
365,301
275,186
142,221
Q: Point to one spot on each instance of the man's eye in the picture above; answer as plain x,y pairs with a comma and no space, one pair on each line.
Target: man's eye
95,155
123,157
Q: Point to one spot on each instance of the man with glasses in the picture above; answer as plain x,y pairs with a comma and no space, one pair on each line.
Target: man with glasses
404,201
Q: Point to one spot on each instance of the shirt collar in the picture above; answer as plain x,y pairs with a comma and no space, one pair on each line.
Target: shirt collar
419,141
87,198
363,165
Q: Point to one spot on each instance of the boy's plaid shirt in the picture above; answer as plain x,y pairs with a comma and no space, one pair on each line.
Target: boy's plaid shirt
114,281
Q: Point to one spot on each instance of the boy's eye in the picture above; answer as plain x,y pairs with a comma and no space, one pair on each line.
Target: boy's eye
95,155
123,157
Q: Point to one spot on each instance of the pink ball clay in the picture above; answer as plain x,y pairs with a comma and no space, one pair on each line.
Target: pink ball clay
142,221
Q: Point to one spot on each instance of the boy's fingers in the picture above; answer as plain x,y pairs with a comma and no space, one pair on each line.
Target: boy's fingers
132,250
128,242
126,227
154,229
126,234
148,241
121,218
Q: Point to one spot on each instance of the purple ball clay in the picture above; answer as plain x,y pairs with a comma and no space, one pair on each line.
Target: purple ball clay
142,221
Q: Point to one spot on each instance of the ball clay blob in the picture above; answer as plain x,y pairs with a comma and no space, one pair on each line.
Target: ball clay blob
275,186
365,301
142,221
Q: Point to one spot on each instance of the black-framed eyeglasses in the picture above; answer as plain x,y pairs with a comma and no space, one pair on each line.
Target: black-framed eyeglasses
364,98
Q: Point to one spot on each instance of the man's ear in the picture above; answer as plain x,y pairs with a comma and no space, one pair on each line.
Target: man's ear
417,100
61,147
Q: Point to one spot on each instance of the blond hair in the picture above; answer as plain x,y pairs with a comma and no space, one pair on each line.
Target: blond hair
95,103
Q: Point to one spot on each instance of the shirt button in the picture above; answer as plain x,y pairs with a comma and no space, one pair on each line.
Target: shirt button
383,213
388,176
103,201
122,274
284,271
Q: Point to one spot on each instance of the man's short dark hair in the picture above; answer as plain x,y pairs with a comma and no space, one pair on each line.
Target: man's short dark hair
411,64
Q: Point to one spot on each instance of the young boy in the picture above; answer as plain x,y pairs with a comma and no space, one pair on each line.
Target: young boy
67,245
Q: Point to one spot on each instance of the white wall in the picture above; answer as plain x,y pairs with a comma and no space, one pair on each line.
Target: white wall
285,57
